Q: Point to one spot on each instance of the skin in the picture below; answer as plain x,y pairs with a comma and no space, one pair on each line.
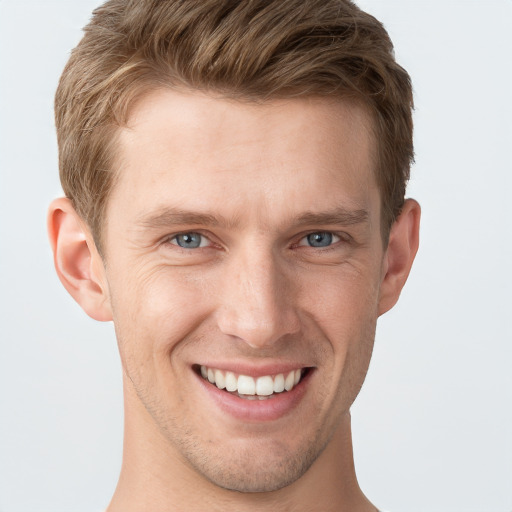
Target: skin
254,294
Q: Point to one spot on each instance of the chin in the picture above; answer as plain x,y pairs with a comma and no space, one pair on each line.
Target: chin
258,470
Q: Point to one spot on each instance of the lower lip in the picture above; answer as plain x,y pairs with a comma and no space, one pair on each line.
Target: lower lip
256,410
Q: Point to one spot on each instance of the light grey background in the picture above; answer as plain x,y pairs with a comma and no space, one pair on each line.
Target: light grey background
433,423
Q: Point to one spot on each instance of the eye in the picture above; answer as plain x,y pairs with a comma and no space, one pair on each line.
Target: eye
320,239
190,240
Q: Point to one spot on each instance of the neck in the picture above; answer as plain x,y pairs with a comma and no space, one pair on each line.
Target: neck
154,477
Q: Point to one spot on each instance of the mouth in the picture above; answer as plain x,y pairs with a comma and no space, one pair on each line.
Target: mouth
264,387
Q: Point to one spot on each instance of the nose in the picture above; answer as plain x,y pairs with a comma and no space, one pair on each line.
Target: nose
257,301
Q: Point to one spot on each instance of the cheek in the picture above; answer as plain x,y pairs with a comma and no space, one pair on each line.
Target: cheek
155,310
342,300
345,309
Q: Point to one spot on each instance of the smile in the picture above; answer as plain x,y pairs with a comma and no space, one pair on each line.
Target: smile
250,388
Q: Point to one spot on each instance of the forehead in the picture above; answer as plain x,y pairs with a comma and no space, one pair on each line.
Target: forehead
193,151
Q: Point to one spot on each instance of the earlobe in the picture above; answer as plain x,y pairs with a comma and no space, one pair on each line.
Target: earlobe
402,248
77,261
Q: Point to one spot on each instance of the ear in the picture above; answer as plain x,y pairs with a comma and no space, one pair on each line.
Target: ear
77,261
402,248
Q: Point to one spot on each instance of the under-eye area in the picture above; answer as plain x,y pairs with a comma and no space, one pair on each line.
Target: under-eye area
253,388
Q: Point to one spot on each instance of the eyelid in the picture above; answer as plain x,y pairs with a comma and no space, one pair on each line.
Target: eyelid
302,240
337,237
172,237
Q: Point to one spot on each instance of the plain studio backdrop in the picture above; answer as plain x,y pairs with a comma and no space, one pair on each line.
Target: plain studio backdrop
433,423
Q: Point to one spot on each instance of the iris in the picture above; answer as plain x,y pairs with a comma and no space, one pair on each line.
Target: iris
322,239
189,240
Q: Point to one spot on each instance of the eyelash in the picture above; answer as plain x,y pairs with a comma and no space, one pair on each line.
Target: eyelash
323,248
341,237
174,237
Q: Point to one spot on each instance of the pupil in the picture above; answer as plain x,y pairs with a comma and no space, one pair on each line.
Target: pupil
320,239
189,240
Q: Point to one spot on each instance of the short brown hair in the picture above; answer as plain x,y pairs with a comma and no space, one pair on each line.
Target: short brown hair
244,49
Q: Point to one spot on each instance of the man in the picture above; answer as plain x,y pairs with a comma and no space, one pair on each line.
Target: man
235,176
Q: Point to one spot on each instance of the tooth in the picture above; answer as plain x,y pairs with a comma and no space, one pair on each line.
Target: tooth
246,385
264,386
279,383
220,381
290,379
231,381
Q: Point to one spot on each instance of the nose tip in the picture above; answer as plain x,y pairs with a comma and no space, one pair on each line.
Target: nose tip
257,329
258,307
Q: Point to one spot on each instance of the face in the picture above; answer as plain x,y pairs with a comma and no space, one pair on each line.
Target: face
244,261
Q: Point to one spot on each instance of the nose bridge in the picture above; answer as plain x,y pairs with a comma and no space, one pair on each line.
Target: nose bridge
257,303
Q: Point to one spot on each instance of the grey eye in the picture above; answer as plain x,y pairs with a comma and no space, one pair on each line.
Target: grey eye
189,240
320,239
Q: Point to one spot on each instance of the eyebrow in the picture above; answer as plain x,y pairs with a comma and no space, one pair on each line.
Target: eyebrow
340,216
174,216
167,217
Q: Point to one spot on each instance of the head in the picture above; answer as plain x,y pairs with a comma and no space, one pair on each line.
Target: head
248,51
235,174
